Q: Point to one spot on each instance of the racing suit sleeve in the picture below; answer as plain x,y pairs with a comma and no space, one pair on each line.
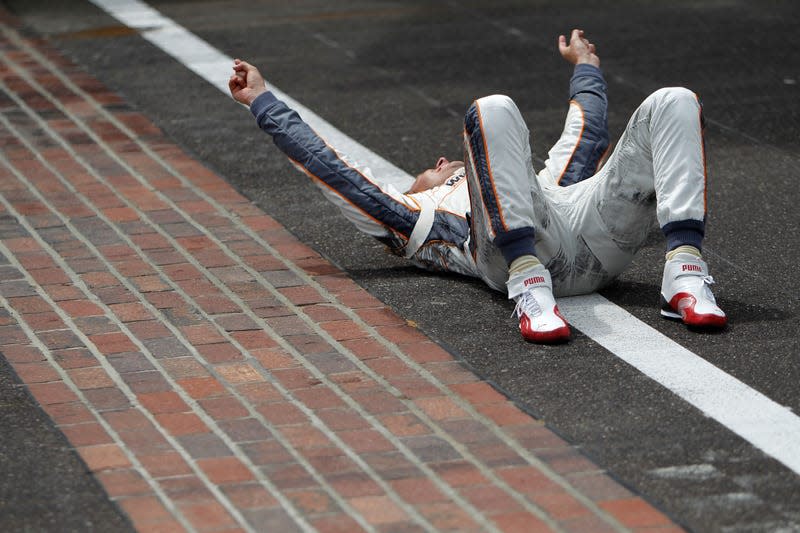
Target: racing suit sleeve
377,209
584,139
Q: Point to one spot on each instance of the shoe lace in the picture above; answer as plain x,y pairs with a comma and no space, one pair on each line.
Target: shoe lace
708,281
528,305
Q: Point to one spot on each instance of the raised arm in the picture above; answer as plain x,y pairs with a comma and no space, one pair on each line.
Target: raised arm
377,209
584,139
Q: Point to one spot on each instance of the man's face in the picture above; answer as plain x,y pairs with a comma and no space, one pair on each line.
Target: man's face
433,177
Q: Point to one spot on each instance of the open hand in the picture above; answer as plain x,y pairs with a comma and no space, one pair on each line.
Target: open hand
579,50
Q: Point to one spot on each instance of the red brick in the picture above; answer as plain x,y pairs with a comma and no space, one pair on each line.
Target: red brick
381,317
223,408
163,402
404,425
505,414
599,487
274,358
53,392
344,330
365,441
109,398
111,343
149,329
88,434
220,353
202,334
145,510
282,413
249,496
178,424
239,373
75,358
566,460
131,312
40,372
378,510
390,366
404,334
184,367
311,502
440,408
81,308
559,505
304,436
414,386
46,321
104,457
460,474
202,387
324,313
528,480
318,397
224,470
520,522
208,516
69,413
165,464
122,483
128,419
427,352
296,378
336,523
18,353
90,378
121,214
341,418
635,513
418,490
257,393
478,393
254,339
366,348
490,499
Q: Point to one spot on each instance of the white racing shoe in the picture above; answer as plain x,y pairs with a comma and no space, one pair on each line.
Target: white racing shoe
539,318
686,293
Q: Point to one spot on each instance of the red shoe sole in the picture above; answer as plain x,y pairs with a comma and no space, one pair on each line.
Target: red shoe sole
685,313
547,337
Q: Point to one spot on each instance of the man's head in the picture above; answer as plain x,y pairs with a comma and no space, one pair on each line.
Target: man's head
433,177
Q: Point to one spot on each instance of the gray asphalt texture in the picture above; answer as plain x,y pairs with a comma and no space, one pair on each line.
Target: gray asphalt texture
45,485
397,76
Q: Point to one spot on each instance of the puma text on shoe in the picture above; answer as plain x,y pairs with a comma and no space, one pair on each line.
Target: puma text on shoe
539,318
686,293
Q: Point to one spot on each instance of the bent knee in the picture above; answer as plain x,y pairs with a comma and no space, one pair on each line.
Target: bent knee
494,108
675,94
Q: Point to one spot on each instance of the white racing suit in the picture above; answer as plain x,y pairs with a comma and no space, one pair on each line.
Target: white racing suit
586,225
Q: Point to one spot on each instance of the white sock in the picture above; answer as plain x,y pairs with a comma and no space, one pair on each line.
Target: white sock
684,249
523,263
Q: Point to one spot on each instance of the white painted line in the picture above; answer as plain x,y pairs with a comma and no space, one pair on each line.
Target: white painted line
215,67
771,427
767,425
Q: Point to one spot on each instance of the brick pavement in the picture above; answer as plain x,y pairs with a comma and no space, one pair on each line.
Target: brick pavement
215,374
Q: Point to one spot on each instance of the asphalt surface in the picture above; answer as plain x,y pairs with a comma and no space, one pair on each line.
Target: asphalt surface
65,496
397,77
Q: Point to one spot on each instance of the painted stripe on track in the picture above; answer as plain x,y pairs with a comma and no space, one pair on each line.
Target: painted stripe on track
764,423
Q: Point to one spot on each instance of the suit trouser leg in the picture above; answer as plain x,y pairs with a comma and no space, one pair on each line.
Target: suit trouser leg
659,160
508,208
